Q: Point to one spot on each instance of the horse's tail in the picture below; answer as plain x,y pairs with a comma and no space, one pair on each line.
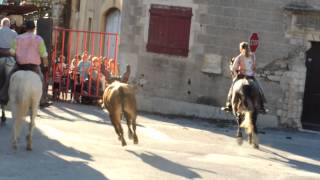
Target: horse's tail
248,114
248,122
246,94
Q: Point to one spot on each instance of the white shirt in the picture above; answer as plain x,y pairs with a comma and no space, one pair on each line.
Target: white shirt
7,36
248,62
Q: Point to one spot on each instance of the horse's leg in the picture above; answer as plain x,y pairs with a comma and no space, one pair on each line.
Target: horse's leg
16,129
250,138
31,127
239,133
255,137
3,117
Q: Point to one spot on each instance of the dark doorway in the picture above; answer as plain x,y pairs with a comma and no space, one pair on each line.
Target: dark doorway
44,29
311,101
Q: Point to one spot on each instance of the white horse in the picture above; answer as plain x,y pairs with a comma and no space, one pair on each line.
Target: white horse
25,91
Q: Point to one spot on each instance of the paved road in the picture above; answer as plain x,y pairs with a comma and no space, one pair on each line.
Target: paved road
78,142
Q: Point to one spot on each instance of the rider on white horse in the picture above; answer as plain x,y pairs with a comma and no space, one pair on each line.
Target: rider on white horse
244,65
28,49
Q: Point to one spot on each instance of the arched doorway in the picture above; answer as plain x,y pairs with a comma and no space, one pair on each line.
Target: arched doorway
113,23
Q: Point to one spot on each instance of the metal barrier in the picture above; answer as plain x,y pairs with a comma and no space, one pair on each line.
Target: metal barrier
81,63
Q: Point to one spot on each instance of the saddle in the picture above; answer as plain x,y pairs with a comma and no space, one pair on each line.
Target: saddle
27,67
4,52
7,60
249,90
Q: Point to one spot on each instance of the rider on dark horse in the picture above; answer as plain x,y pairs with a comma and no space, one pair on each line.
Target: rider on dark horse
244,66
7,36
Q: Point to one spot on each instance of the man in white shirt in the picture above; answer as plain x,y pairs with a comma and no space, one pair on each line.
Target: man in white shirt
7,36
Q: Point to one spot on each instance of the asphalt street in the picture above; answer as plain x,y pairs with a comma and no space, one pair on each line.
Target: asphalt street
78,142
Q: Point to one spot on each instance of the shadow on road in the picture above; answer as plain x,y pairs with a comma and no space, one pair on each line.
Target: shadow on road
49,159
303,144
300,165
74,111
168,166
294,142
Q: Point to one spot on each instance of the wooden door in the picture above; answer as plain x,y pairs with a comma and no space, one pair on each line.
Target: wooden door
311,101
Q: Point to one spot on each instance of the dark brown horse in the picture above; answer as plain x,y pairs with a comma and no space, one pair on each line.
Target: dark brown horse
119,99
6,65
245,104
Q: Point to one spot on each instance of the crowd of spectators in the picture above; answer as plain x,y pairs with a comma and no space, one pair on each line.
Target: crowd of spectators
84,77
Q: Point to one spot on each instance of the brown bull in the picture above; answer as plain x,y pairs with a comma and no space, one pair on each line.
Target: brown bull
119,99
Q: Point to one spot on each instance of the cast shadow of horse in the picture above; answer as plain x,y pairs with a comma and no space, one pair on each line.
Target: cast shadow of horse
293,163
168,166
276,141
50,159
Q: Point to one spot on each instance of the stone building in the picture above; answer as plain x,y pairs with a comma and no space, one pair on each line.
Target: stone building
93,14
192,77
179,51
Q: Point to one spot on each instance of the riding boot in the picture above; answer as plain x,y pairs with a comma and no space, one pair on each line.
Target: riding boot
227,108
4,92
44,102
262,109
5,89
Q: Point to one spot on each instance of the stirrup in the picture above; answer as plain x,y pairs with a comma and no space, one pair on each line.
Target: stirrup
263,111
226,108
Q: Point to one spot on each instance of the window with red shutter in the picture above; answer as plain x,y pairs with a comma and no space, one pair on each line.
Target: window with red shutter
169,30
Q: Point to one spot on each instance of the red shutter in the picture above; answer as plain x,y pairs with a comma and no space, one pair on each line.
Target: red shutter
169,30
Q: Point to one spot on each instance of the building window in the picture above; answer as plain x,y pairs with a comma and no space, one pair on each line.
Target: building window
88,34
169,30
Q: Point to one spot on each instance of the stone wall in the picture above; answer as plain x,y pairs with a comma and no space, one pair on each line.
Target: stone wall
217,28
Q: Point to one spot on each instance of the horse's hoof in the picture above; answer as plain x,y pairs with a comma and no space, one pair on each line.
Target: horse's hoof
130,135
29,148
3,119
124,143
256,146
239,141
14,146
135,140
